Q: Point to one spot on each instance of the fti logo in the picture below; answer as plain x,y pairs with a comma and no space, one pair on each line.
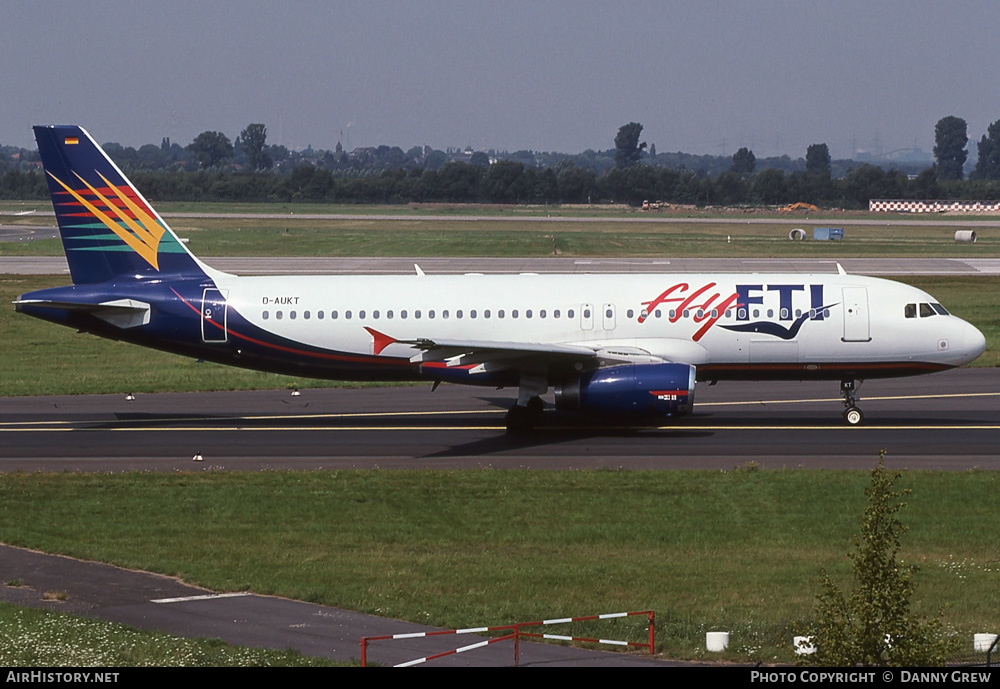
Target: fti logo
706,305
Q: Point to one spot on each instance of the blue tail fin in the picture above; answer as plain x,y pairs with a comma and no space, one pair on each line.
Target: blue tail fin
108,229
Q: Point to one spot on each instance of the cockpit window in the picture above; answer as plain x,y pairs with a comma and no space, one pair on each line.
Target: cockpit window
940,309
926,310
910,311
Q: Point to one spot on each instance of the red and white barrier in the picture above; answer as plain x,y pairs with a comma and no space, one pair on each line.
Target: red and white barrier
909,206
515,636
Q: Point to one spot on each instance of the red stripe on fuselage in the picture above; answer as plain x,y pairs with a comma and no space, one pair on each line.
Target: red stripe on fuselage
301,352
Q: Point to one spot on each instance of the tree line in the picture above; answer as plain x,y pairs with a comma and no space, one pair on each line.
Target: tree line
212,168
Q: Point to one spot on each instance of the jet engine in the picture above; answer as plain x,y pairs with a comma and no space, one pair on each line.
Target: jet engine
631,389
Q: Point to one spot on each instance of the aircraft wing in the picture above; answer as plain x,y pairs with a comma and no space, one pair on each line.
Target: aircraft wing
520,354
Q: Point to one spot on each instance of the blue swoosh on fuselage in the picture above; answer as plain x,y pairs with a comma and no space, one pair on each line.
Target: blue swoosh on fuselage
771,328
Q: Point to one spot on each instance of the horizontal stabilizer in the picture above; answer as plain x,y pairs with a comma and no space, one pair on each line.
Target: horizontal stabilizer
121,313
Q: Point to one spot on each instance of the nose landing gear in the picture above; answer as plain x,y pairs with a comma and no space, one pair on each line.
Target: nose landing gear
852,415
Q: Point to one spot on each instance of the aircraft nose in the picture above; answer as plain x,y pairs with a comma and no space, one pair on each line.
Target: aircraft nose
973,342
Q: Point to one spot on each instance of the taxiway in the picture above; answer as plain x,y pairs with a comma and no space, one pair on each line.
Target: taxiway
945,421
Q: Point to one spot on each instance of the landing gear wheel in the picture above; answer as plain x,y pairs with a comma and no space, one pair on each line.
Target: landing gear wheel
853,416
520,419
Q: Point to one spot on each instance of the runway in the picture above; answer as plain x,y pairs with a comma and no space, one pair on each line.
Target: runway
945,421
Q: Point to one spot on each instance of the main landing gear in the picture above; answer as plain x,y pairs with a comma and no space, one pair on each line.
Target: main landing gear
852,415
522,419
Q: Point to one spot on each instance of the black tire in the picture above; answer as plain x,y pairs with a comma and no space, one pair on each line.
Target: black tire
853,416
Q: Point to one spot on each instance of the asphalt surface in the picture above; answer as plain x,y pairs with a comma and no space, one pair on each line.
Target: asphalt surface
946,420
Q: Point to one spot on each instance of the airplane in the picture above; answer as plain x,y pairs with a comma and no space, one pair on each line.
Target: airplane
628,346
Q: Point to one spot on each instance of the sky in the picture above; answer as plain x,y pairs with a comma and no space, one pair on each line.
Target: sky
704,77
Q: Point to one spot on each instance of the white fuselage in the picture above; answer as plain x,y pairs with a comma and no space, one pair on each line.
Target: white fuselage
728,325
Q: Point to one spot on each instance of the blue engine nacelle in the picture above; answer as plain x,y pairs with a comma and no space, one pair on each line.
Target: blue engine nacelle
632,389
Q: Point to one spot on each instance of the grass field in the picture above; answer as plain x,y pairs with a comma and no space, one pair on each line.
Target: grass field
740,550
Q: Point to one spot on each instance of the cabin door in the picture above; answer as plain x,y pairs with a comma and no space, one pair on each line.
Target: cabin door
856,325
214,327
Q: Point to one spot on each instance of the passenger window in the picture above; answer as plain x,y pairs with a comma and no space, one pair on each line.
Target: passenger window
305,314
910,311
264,315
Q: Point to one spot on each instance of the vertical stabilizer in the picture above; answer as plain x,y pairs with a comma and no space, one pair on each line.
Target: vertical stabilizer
108,229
